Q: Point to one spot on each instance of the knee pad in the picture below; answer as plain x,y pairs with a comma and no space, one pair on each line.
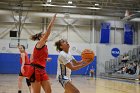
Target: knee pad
28,82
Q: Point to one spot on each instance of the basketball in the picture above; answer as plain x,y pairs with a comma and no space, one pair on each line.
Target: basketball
87,54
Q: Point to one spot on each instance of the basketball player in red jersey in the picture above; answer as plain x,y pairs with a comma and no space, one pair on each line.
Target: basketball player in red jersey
37,72
24,61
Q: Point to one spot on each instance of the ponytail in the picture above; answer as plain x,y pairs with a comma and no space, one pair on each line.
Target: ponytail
36,36
58,44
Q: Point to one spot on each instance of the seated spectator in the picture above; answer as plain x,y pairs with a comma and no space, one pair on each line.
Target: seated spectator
131,69
123,70
138,73
135,67
125,59
91,72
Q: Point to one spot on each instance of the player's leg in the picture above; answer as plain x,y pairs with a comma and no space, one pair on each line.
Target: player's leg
28,84
46,86
36,87
20,78
70,88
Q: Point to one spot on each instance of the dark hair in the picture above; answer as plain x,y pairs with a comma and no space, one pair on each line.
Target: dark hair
23,46
58,44
36,36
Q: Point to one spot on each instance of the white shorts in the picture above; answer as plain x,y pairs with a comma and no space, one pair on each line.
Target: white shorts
63,80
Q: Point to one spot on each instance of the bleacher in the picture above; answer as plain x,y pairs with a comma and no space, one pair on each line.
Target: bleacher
113,66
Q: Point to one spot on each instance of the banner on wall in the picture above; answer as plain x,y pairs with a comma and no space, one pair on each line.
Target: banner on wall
105,33
128,33
115,52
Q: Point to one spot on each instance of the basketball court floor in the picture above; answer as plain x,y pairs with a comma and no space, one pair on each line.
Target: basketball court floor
8,84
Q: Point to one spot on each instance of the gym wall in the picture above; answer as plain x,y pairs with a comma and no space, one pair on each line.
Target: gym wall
9,57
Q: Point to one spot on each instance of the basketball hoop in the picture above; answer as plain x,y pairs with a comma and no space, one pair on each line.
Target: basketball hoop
15,41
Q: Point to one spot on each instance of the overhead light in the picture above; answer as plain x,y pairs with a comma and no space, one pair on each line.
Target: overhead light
48,5
69,2
96,4
69,6
96,8
49,1
59,6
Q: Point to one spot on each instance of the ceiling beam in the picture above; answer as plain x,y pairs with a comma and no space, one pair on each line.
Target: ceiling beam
62,15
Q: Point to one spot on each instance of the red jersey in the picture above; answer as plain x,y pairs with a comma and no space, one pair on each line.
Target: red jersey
40,55
27,61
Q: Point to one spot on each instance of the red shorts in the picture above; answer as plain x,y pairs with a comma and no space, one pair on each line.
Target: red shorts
40,74
26,69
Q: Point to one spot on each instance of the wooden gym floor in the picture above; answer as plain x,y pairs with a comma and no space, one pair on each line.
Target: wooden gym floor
8,84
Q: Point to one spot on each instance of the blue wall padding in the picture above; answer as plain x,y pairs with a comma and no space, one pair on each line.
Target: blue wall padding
51,67
10,64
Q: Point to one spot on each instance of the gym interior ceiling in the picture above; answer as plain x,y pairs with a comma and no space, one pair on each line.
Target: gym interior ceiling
109,8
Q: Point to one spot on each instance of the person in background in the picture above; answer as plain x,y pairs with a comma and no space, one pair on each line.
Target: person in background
25,62
125,59
91,72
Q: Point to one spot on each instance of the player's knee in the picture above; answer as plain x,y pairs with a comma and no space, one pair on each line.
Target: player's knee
49,91
19,79
76,91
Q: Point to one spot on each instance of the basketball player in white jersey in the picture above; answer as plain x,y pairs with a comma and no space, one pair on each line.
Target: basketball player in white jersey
66,63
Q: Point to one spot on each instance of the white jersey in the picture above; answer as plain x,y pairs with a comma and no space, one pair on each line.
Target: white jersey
63,59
